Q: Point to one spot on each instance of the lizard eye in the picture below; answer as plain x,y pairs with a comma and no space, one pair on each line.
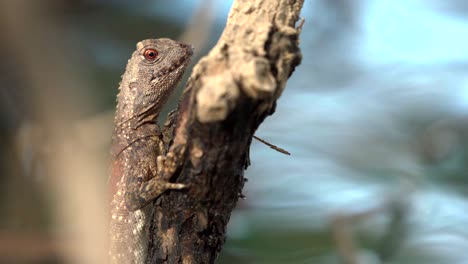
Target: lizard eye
151,54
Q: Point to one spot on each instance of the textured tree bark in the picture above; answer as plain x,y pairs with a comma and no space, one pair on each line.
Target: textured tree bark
228,95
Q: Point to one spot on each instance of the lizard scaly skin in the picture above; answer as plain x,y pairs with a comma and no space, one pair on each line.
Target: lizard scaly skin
152,73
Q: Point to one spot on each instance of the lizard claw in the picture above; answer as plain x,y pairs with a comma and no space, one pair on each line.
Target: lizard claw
166,165
174,186
160,164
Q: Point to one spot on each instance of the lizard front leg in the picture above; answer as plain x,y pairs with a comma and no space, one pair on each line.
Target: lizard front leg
147,182
141,193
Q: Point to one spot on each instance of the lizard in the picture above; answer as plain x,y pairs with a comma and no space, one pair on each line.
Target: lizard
137,149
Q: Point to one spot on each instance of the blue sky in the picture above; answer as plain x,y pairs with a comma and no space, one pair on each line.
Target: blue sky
412,32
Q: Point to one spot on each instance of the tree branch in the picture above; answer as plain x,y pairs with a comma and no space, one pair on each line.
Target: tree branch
228,95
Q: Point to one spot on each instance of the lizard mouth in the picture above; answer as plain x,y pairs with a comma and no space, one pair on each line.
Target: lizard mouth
188,48
182,62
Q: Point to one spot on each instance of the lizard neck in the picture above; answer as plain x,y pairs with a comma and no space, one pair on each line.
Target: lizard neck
125,135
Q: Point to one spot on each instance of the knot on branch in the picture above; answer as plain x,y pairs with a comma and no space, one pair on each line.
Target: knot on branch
256,78
216,98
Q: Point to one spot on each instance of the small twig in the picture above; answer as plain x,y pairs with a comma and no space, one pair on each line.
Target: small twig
272,146
300,25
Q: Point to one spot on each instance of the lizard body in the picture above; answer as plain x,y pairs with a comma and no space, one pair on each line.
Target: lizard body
152,73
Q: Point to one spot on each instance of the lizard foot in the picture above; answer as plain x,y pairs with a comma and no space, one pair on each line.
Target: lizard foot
148,191
167,165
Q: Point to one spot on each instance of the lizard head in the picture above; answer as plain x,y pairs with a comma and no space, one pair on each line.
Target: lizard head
160,59
153,73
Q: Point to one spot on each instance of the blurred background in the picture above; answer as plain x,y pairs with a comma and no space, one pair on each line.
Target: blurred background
375,118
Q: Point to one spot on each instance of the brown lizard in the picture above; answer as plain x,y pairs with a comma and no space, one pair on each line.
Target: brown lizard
138,150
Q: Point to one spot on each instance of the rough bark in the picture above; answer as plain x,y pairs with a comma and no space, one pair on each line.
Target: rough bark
228,95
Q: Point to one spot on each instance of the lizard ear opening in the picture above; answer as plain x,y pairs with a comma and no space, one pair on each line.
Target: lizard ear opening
150,54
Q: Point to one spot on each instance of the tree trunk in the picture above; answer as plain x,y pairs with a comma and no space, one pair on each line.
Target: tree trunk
228,95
